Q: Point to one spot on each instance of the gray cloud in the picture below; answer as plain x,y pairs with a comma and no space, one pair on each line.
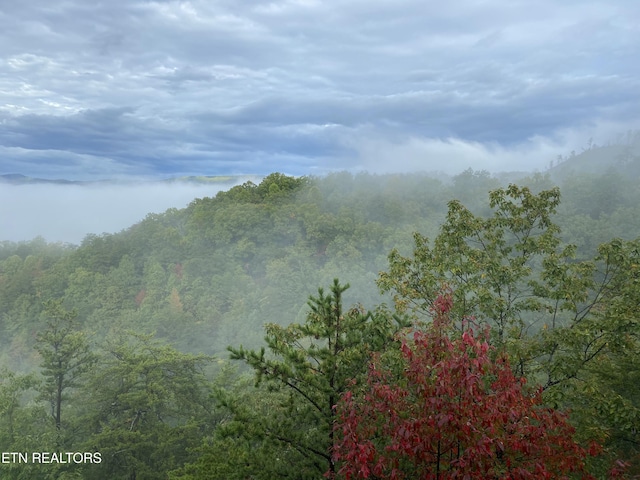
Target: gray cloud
174,87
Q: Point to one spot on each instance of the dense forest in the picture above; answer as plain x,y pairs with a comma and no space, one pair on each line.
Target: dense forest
272,331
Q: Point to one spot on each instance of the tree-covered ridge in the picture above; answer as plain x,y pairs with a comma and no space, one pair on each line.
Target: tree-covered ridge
543,266
254,252
621,156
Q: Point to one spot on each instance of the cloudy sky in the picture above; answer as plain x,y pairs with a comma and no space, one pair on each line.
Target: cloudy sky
97,89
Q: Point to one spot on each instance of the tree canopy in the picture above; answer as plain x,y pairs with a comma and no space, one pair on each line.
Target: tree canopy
446,409
119,345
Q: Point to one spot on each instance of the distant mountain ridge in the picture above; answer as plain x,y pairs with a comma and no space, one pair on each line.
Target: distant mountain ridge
622,159
20,179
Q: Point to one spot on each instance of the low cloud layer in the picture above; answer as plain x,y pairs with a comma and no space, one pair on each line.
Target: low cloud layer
155,88
63,213
452,155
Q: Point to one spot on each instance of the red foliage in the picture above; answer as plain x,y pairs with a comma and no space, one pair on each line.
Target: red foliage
442,305
140,297
451,413
619,470
178,270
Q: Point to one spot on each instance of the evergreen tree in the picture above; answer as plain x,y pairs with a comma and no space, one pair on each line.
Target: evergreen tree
66,355
146,406
288,431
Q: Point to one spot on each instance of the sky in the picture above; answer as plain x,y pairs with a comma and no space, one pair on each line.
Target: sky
126,88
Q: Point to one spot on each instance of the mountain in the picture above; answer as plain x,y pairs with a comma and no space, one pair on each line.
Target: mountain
623,159
20,179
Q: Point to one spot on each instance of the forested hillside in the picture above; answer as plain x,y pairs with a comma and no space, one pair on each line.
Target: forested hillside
119,345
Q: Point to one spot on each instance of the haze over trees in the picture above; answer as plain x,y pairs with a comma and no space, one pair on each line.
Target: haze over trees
119,345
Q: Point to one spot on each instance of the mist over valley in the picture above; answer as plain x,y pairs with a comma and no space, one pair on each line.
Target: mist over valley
67,212
191,276
295,239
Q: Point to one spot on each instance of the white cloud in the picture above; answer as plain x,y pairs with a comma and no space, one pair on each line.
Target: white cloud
451,155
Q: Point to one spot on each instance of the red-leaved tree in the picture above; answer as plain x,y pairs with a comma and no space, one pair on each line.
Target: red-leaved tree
446,410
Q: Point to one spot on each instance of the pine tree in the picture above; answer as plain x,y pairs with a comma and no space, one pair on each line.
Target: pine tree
66,355
287,426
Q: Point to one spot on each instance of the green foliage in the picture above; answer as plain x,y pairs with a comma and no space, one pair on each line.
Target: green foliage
224,258
470,187
305,372
66,356
145,406
605,396
13,390
557,317
512,271
24,427
275,187
487,262
597,195
212,274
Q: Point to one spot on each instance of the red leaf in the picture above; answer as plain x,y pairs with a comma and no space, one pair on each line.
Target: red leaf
450,407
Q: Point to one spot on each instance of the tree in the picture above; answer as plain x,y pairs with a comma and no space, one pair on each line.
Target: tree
288,430
448,410
570,326
605,396
66,356
488,262
13,387
24,427
146,406
512,271
471,186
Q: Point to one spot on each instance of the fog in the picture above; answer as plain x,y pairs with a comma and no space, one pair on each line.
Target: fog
380,154
67,213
